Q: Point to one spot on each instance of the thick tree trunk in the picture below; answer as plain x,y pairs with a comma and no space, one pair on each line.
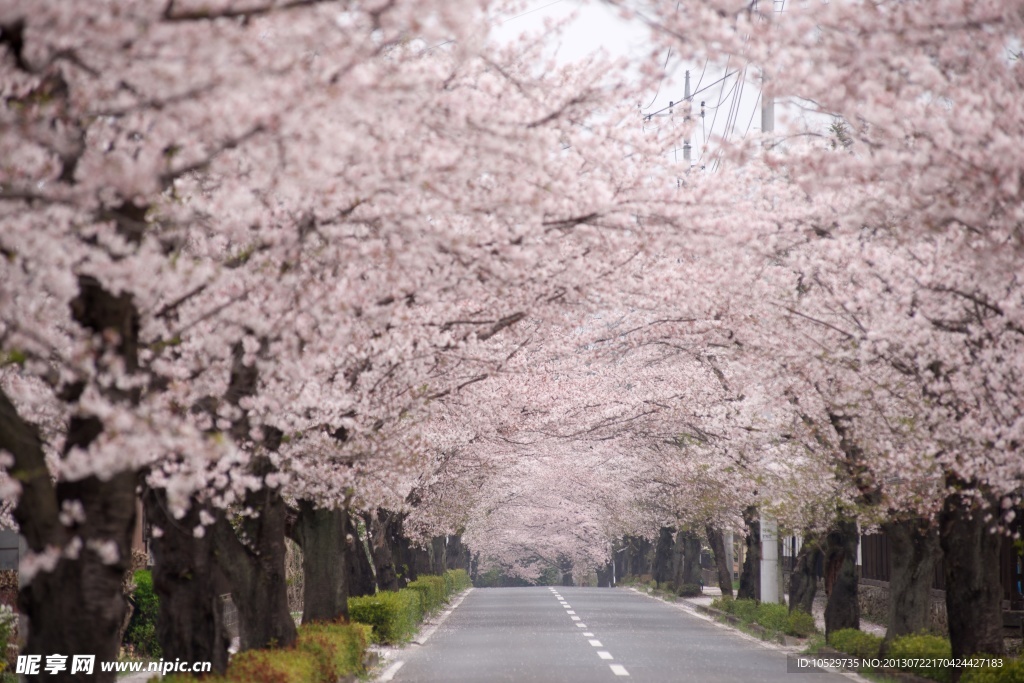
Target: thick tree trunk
604,576
439,555
190,625
320,533
692,573
256,570
843,608
565,566
676,579
663,556
803,581
421,560
717,542
360,573
79,606
913,551
750,576
970,563
381,529
458,553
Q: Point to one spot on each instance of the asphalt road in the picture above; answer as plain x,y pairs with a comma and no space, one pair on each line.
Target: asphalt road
583,635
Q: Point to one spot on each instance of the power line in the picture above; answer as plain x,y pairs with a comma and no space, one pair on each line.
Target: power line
696,92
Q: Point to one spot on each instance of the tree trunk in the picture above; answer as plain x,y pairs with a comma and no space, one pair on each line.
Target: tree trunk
320,533
913,551
604,576
676,579
360,573
663,556
190,625
843,608
381,529
750,576
79,606
717,542
421,560
458,553
803,581
439,556
256,569
692,573
970,563
565,567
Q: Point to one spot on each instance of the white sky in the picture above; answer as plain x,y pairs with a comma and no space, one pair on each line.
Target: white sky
731,109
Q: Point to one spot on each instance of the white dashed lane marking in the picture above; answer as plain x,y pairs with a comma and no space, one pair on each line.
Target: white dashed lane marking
617,669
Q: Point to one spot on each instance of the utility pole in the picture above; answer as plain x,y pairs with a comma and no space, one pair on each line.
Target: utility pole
689,107
767,108
771,576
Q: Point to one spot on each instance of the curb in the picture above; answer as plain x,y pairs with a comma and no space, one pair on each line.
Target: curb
385,654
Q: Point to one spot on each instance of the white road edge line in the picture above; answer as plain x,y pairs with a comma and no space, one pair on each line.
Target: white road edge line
619,670
422,637
389,673
768,645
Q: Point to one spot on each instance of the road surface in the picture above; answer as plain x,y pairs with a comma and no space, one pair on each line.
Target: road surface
583,635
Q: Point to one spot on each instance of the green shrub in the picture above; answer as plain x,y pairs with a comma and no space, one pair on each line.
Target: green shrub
1012,671
800,624
772,616
923,646
460,579
744,609
273,666
722,603
432,592
855,642
393,615
690,590
141,631
337,648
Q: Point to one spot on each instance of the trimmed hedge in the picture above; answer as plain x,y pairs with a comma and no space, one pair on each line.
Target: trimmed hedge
855,642
772,616
926,647
274,666
1012,671
432,591
690,590
459,579
393,615
323,653
337,648
800,624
